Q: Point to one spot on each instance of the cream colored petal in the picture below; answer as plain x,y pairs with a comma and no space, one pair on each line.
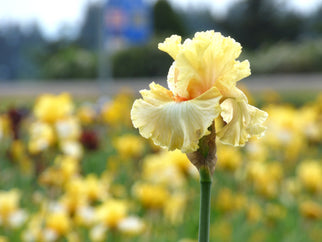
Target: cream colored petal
243,121
171,45
190,67
257,118
233,73
209,59
171,78
221,57
234,132
175,125
157,94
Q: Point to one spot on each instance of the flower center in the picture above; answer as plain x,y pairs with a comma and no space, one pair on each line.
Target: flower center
178,99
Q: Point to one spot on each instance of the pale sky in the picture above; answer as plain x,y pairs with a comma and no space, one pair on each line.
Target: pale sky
51,15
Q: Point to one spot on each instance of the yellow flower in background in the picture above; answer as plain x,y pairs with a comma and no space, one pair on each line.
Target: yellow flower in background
202,82
275,212
175,208
3,239
230,158
266,177
254,212
68,128
19,155
58,223
311,210
225,200
151,196
10,213
162,170
50,108
129,145
42,136
95,189
69,166
220,231
65,168
75,196
4,126
9,201
86,114
181,161
112,212
116,112
112,113
310,175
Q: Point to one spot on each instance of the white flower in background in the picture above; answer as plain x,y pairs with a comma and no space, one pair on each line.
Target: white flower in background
131,225
68,129
72,148
17,218
98,233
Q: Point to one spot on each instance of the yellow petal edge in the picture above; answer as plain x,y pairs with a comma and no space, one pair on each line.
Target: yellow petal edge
175,125
243,121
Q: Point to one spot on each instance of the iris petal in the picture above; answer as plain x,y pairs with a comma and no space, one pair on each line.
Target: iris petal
209,59
175,125
171,45
243,121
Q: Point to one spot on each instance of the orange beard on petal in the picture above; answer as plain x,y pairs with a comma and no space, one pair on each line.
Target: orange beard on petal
178,99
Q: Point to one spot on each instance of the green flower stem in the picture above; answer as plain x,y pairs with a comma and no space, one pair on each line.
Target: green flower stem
205,195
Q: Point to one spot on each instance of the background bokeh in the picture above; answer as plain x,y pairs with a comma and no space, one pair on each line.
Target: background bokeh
72,167
276,38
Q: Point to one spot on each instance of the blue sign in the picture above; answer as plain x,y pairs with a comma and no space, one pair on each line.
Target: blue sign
127,22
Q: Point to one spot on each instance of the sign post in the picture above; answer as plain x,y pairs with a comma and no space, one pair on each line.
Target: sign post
124,23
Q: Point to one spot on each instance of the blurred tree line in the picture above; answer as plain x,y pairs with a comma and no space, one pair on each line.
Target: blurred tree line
17,47
267,30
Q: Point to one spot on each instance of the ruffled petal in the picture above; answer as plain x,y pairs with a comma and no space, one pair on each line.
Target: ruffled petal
174,125
158,95
226,83
171,45
209,59
172,77
257,118
242,122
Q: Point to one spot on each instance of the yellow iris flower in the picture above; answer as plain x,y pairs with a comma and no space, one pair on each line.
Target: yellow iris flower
51,108
202,82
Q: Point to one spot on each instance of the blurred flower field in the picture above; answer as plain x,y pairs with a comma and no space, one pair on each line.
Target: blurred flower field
78,171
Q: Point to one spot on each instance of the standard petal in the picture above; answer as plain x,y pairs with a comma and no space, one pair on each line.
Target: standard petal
172,77
171,45
175,125
209,59
243,121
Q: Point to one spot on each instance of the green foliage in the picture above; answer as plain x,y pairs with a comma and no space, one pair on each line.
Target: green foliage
199,20
69,62
140,61
89,33
287,57
257,22
166,20
284,57
18,47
